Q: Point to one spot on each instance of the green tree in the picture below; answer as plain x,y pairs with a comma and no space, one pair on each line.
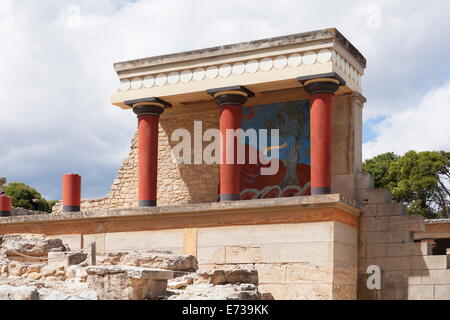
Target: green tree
24,196
421,180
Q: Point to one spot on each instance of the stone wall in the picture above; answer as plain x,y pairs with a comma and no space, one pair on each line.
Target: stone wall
25,212
309,261
316,260
408,270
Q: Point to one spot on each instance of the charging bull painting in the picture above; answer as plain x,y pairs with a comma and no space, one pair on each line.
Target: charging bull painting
293,176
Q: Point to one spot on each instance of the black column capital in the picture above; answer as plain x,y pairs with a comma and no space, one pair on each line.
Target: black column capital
235,95
148,106
322,83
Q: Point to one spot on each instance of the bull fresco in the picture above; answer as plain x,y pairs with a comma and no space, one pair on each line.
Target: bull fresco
293,177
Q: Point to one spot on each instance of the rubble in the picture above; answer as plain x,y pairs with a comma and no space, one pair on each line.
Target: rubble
33,267
34,245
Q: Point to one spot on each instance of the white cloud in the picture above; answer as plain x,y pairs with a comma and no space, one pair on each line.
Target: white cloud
422,127
57,74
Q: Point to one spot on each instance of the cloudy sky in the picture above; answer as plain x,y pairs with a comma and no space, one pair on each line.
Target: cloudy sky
56,72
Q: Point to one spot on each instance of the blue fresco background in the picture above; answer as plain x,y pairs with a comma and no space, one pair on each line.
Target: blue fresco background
261,114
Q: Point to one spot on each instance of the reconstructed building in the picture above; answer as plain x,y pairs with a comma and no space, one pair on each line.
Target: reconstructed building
314,229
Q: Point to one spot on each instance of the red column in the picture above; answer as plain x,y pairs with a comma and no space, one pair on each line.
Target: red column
230,100
71,185
321,133
5,206
230,119
148,112
322,92
147,159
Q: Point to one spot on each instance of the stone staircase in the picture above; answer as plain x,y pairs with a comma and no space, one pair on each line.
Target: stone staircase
408,268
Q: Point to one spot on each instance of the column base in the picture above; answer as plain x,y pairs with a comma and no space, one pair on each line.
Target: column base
229,197
320,190
147,203
71,209
5,213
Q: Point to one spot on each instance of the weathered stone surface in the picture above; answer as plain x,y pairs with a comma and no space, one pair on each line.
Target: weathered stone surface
131,272
65,259
230,284
35,245
127,282
237,276
18,293
47,294
150,259
216,292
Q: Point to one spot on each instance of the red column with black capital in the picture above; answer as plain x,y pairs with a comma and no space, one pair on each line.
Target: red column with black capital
148,112
322,91
230,101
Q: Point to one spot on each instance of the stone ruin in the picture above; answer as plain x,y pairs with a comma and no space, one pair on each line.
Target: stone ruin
34,267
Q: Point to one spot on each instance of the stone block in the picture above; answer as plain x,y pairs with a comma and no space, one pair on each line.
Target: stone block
415,277
271,273
394,291
277,291
18,293
345,234
307,232
414,223
344,292
344,274
363,292
309,273
221,277
420,292
346,254
376,250
243,254
369,210
409,249
373,224
297,252
126,241
159,260
390,209
442,292
34,245
73,241
65,259
211,255
392,263
127,283
98,238
428,262
344,184
308,291
228,236
374,196
395,277
364,181
401,236
439,277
